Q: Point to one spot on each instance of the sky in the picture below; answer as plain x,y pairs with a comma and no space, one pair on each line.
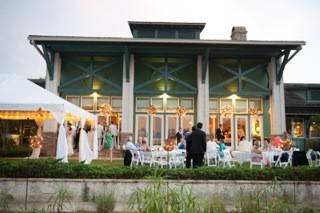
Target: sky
264,20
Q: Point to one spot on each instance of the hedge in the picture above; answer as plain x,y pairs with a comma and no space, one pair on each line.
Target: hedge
53,169
15,151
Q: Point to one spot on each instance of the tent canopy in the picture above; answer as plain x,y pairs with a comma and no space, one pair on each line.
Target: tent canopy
20,94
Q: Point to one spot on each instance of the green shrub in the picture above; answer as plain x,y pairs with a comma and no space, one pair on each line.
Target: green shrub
49,168
105,202
15,151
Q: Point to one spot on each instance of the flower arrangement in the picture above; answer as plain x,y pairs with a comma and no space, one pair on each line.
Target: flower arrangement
169,145
35,142
227,111
152,110
181,111
254,111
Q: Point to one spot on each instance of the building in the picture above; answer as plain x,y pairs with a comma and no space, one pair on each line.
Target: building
235,82
303,112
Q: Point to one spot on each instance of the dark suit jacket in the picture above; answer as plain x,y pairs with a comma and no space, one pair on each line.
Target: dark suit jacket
196,142
218,134
178,136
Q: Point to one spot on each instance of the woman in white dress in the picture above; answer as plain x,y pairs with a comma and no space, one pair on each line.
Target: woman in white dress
70,137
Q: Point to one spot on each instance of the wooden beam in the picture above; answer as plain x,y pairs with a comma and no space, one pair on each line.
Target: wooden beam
279,72
227,69
223,83
114,85
49,58
255,84
240,76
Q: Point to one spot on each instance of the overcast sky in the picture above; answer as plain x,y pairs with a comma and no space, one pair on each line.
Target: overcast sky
264,20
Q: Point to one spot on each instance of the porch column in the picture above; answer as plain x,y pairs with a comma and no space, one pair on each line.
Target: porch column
203,96
50,128
52,86
127,101
277,105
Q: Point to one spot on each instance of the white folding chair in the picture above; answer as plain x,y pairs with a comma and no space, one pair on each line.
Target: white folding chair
226,159
211,158
136,158
147,158
309,157
256,159
317,153
176,159
284,163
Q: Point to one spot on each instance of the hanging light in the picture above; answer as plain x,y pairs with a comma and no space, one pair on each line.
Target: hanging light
105,110
227,111
181,111
152,110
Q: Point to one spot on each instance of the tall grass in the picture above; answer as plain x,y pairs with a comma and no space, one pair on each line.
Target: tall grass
105,202
59,200
4,201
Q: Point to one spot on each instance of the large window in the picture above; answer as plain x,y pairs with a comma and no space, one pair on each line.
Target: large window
87,103
214,105
172,104
158,103
241,106
187,103
142,104
93,103
297,128
314,130
74,100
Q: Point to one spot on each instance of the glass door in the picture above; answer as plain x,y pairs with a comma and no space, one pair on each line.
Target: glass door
256,127
213,124
227,130
142,127
241,127
186,123
172,125
156,127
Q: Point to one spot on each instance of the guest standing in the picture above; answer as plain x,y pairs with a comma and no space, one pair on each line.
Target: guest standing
114,132
197,145
179,135
108,144
219,132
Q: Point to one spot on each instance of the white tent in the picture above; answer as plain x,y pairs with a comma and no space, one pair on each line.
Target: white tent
20,94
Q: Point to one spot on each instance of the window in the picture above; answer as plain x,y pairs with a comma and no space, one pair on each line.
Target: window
187,103
314,130
241,106
74,100
116,103
314,95
225,102
142,104
87,103
255,104
102,100
297,127
158,103
214,105
172,104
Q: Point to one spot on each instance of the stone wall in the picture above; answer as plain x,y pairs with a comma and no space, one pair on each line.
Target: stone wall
84,190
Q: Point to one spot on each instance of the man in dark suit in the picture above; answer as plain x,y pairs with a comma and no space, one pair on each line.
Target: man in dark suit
196,147
219,133
179,136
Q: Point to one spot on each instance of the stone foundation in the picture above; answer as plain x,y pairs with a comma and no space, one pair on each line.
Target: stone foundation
49,144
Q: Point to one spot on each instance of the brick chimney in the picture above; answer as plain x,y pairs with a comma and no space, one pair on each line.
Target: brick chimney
239,33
